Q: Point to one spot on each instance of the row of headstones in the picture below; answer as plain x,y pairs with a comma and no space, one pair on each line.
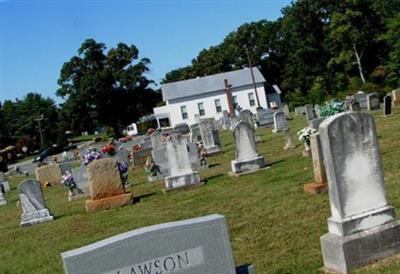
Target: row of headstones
362,227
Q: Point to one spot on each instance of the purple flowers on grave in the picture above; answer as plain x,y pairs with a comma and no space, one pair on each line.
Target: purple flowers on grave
67,179
91,156
122,167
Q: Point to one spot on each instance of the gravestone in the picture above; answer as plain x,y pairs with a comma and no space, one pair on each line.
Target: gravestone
264,117
288,140
195,132
155,138
3,200
226,122
310,114
373,101
65,166
181,173
396,96
139,156
317,110
387,105
355,106
247,159
361,98
299,111
363,226
33,206
320,183
279,121
49,174
247,116
122,155
285,109
194,246
315,123
81,178
207,137
105,186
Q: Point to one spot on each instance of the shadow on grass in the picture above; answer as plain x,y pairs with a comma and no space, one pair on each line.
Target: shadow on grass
206,180
138,198
213,165
276,162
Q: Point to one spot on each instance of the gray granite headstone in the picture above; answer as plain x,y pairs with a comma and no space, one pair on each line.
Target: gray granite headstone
288,140
361,98
155,139
310,113
32,203
373,101
387,105
355,106
247,116
362,227
279,121
265,117
123,156
195,132
315,123
207,137
194,246
299,111
65,166
81,178
285,109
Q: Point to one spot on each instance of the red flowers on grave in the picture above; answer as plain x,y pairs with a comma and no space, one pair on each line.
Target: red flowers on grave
109,149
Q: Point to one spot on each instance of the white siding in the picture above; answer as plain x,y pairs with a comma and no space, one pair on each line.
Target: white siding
173,107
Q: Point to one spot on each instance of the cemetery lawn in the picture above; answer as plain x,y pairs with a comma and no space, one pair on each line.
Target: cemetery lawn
272,223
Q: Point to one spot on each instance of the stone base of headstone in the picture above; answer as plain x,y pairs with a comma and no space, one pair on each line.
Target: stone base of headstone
6,186
343,253
3,200
36,217
77,196
182,181
248,165
315,188
213,150
237,175
108,203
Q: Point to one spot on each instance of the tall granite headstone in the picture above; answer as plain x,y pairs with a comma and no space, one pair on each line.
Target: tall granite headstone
310,113
33,206
387,105
279,121
207,137
361,98
373,101
49,174
320,183
247,158
362,227
81,178
285,109
181,172
105,186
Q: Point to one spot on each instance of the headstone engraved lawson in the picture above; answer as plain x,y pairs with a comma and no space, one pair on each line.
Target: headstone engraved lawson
33,206
363,226
387,105
247,158
194,246
181,172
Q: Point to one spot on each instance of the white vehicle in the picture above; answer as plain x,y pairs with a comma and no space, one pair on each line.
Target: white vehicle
131,130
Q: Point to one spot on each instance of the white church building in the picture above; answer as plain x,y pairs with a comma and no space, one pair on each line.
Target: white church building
206,97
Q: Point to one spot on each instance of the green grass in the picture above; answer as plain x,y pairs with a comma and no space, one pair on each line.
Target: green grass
273,224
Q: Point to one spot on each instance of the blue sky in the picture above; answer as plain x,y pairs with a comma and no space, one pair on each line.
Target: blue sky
37,37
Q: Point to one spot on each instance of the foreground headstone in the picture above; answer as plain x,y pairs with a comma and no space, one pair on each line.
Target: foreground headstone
373,101
33,206
247,159
320,183
193,246
279,121
181,173
387,105
207,137
105,186
363,226
49,174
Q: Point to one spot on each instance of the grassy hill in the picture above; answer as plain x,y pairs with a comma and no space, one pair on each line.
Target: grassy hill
273,224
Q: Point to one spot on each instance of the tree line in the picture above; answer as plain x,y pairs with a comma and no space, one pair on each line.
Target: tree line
317,50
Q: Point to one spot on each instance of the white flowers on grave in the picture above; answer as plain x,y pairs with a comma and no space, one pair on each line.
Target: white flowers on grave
305,134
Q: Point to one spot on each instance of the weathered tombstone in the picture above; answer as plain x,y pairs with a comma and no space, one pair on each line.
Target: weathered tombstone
279,121
310,114
139,157
247,159
320,183
81,178
315,123
49,174
155,138
207,137
65,166
396,96
105,186
299,111
363,226
194,246
361,98
181,172
373,101
122,155
285,109
33,206
355,106
264,117
247,116
387,105
317,110
3,200
288,140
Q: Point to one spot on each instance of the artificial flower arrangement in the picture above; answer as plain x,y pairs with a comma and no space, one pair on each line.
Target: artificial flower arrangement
68,181
305,134
91,156
332,107
109,149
